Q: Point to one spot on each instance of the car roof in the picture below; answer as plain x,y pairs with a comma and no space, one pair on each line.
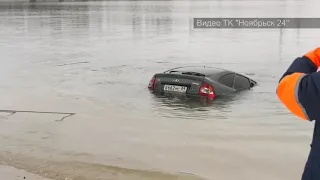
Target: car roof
212,72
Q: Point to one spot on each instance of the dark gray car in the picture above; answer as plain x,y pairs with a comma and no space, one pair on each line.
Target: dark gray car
200,81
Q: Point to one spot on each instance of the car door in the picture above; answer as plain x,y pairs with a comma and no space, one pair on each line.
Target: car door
227,80
241,82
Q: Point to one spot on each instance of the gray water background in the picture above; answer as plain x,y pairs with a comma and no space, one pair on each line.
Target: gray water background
96,59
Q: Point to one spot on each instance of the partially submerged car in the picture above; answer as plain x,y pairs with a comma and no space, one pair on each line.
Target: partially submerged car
198,81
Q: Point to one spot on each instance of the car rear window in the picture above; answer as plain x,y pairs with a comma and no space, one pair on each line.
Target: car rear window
187,73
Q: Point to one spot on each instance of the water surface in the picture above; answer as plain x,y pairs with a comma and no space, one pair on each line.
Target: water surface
96,59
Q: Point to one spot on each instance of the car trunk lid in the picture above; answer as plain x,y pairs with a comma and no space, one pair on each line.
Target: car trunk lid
183,82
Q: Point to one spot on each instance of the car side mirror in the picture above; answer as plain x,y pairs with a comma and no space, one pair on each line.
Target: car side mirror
252,83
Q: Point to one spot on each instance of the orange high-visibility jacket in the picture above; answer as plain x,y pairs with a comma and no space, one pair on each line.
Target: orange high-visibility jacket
299,91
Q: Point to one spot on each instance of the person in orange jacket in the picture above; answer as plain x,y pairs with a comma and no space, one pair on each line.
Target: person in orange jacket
299,90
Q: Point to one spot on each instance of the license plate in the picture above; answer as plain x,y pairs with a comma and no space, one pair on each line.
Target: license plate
172,88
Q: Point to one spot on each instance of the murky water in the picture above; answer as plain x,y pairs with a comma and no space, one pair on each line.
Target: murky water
96,59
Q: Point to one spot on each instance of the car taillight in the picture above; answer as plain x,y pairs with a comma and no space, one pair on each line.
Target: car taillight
207,90
151,83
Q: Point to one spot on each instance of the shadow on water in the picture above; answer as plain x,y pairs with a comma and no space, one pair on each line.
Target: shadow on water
201,103
176,106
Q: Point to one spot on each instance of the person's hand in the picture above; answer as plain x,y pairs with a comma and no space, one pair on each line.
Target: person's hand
314,56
